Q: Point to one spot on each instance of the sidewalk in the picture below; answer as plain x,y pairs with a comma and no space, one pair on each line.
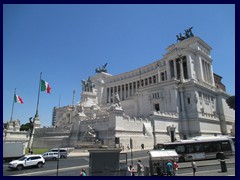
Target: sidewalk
84,152
78,152
206,163
182,165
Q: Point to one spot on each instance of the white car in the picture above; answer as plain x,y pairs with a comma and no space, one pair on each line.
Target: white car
50,155
27,161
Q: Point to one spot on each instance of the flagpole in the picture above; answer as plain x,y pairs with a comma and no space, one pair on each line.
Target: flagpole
13,104
32,131
38,94
59,101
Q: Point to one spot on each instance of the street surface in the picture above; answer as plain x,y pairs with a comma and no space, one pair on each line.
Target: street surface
72,166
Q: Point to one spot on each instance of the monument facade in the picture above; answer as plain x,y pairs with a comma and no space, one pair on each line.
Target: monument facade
175,97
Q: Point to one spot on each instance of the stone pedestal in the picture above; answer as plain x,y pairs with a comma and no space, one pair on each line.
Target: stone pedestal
37,123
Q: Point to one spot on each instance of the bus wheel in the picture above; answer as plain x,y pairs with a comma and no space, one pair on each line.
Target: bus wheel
181,159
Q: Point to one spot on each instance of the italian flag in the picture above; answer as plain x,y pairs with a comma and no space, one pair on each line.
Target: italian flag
18,99
45,86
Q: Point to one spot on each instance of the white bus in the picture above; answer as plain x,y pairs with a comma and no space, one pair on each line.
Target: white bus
202,147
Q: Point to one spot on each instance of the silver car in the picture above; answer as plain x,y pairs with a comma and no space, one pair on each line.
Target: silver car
50,155
63,152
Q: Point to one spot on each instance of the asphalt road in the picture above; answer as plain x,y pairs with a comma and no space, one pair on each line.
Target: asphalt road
72,166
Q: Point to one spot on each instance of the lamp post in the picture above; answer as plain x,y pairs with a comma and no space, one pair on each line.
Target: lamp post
131,146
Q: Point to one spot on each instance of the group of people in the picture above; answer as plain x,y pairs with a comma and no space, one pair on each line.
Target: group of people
139,172
30,151
171,167
83,172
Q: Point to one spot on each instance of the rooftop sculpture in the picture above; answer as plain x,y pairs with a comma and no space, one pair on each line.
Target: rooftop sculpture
102,69
188,34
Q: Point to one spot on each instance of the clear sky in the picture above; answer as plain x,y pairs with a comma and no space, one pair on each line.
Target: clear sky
67,42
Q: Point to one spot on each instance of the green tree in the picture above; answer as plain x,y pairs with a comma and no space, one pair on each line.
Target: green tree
231,102
5,125
25,127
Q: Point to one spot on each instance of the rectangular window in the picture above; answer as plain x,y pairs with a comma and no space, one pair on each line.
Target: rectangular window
154,79
108,95
111,95
134,88
123,92
126,90
119,89
178,68
185,69
172,68
162,76
138,84
150,80
130,87
156,107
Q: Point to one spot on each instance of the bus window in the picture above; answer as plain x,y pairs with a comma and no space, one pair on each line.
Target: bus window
206,147
169,146
214,147
225,146
190,148
180,149
198,148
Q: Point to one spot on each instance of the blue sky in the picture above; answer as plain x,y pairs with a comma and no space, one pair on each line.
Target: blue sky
67,42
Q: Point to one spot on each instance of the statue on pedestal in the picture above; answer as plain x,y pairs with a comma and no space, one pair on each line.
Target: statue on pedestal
87,85
31,126
116,102
91,132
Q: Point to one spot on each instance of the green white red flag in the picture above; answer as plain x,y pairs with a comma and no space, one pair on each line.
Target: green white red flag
18,99
45,86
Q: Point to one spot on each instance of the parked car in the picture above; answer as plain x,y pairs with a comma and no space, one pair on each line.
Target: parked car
50,155
27,161
63,152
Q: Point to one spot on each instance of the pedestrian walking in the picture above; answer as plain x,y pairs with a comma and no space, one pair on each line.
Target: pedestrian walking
159,170
140,168
169,168
130,171
142,146
83,172
175,168
194,167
